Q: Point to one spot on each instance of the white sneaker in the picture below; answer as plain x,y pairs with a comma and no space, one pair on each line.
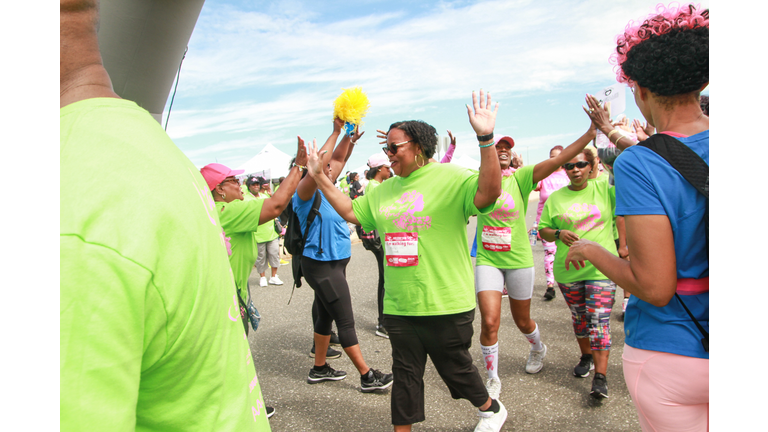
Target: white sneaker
490,422
275,280
536,360
493,386
263,281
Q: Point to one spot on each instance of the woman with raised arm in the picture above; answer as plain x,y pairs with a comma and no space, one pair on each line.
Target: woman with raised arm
665,60
429,302
327,250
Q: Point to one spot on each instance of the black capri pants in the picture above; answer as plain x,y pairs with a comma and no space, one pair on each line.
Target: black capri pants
332,299
446,339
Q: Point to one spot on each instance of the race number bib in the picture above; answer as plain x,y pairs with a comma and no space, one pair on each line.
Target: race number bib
497,239
402,249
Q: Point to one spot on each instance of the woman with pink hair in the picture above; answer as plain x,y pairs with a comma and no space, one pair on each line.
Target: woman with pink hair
665,60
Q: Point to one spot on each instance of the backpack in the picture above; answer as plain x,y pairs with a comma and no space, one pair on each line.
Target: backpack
693,168
370,239
294,239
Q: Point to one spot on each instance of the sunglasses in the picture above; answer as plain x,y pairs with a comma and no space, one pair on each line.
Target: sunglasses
393,148
581,164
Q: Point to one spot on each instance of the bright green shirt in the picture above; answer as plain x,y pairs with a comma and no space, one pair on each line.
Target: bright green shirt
502,236
434,202
151,337
240,220
266,231
371,184
589,214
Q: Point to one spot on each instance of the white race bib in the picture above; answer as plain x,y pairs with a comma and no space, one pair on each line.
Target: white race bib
402,249
497,239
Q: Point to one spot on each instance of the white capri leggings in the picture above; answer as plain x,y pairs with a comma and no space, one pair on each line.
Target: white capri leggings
519,281
271,250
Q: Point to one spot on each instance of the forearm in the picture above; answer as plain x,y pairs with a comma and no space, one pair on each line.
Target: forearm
489,181
623,142
340,155
340,202
548,234
448,154
543,169
275,205
622,231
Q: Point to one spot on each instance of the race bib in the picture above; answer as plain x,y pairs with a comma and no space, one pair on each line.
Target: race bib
402,249
497,239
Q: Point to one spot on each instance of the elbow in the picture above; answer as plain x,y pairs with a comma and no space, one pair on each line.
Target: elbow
661,296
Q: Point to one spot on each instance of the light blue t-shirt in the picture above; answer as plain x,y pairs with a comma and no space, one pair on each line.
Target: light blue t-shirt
329,226
646,184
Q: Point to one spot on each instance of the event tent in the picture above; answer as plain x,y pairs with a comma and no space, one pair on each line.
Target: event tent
270,163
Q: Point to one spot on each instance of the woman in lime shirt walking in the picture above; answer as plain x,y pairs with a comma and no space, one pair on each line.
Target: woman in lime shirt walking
584,210
266,239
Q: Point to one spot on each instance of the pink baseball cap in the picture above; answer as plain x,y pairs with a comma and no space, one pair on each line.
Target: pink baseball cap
504,138
377,160
216,173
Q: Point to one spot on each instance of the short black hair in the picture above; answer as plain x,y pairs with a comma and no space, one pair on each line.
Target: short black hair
422,134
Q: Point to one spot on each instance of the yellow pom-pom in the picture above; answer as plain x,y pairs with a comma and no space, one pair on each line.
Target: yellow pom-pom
351,105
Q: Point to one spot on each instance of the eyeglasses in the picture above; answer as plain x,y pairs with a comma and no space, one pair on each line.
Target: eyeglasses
234,180
581,164
393,149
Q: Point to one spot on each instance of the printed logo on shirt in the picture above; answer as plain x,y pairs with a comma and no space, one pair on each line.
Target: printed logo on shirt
582,217
507,212
402,212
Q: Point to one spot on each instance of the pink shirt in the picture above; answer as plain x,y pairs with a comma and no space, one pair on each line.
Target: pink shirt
555,181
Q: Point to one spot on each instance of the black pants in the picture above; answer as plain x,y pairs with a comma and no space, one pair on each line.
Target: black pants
446,339
379,253
332,299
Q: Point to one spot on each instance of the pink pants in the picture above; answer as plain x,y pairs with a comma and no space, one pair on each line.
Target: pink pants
670,391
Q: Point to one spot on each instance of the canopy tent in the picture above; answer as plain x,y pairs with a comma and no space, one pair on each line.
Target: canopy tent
466,162
269,163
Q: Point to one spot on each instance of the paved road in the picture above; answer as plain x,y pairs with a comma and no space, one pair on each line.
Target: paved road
552,400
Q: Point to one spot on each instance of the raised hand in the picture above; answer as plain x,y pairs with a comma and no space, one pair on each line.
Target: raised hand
517,160
314,161
356,136
453,138
482,119
338,124
381,135
301,154
598,114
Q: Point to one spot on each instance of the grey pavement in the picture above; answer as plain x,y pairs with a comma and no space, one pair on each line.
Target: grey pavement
552,400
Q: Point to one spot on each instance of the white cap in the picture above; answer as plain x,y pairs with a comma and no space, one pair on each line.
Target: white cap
377,160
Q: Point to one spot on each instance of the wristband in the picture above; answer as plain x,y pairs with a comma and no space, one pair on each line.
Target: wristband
485,137
611,133
300,167
487,145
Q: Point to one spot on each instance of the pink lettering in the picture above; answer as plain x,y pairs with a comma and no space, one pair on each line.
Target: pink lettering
237,307
254,381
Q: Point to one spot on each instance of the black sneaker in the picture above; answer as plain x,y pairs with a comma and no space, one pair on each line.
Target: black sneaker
550,294
375,380
270,411
381,331
585,365
330,354
326,374
599,387
335,339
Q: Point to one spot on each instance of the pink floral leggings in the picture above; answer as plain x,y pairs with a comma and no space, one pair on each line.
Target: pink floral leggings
549,261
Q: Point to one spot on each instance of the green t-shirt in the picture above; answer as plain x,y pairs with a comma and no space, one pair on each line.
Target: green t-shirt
240,220
434,203
371,184
589,214
151,337
502,237
266,231
344,185
604,177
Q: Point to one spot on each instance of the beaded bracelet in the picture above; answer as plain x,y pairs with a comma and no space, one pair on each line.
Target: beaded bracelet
487,145
300,167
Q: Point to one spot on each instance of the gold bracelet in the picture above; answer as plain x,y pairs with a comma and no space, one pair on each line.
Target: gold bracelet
611,133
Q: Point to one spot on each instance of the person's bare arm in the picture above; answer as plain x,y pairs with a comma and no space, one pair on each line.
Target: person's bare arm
81,72
307,185
651,274
621,228
273,206
342,152
546,167
483,120
338,200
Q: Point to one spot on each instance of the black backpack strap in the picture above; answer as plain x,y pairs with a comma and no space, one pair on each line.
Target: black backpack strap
296,261
693,168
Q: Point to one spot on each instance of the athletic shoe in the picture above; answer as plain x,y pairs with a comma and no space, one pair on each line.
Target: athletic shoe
330,354
335,339
536,360
375,380
263,281
270,411
493,386
599,387
550,294
585,365
490,421
381,331
327,373
274,280
283,262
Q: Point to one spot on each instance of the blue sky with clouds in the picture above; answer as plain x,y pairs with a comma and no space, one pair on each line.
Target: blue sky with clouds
260,72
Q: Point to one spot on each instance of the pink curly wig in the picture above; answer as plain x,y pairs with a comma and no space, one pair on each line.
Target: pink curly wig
663,21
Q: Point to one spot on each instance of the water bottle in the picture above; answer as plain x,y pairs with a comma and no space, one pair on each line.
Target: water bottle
534,234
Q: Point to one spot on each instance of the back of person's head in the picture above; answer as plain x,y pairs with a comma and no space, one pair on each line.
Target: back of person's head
280,180
667,52
371,173
352,176
421,133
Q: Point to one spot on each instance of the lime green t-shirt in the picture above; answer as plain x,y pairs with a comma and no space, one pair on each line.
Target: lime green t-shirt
266,231
589,214
434,204
502,237
604,177
151,337
371,184
240,220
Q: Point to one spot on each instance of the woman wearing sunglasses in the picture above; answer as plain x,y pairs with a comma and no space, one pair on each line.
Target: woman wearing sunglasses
584,210
665,60
429,302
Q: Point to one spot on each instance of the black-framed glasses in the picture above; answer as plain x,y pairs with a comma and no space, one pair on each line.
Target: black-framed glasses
393,149
581,164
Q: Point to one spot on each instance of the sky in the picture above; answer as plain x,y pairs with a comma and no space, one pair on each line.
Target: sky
260,72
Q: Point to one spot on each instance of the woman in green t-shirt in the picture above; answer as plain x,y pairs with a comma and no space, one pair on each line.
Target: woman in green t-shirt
584,210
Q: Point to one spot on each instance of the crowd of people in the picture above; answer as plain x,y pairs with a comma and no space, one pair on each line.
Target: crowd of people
630,212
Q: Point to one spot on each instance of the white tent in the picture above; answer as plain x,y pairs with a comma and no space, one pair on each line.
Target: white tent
466,162
269,162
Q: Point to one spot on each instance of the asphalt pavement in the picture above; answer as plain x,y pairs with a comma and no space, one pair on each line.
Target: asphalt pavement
552,400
